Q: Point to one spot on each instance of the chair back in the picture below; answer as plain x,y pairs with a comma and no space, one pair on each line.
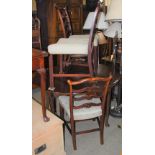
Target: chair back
88,92
65,21
36,39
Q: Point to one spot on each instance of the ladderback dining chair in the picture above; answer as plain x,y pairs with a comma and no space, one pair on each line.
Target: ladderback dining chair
66,25
86,101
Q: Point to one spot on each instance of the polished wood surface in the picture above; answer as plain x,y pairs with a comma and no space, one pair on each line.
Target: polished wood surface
38,65
54,27
65,21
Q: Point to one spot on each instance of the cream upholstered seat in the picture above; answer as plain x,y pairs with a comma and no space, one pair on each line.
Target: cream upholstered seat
71,46
64,48
84,113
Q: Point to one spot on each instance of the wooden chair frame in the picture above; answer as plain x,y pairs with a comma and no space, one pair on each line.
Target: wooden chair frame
90,92
65,21
92,57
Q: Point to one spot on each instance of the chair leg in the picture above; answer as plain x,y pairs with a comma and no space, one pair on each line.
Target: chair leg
51,72
51,100
62,117
101,130
73,134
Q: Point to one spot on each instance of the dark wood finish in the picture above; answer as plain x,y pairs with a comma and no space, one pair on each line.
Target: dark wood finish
91,53
54,27
65,21
101,89
104,70
36,39
38,65
42,6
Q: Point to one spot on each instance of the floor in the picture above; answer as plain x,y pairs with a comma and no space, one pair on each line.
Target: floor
89,144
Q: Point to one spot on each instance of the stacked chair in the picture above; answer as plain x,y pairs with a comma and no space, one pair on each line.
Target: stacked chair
87,97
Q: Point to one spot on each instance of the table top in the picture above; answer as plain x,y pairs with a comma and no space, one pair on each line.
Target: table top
39,127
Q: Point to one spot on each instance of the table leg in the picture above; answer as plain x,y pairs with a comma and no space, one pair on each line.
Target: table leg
42,73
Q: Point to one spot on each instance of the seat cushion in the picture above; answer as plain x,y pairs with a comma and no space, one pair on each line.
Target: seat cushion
83,113
68,48
83,40
70,41
72,45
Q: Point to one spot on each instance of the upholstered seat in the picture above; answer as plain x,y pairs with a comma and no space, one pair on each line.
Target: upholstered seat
81,39
72,45
84,113
70,48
